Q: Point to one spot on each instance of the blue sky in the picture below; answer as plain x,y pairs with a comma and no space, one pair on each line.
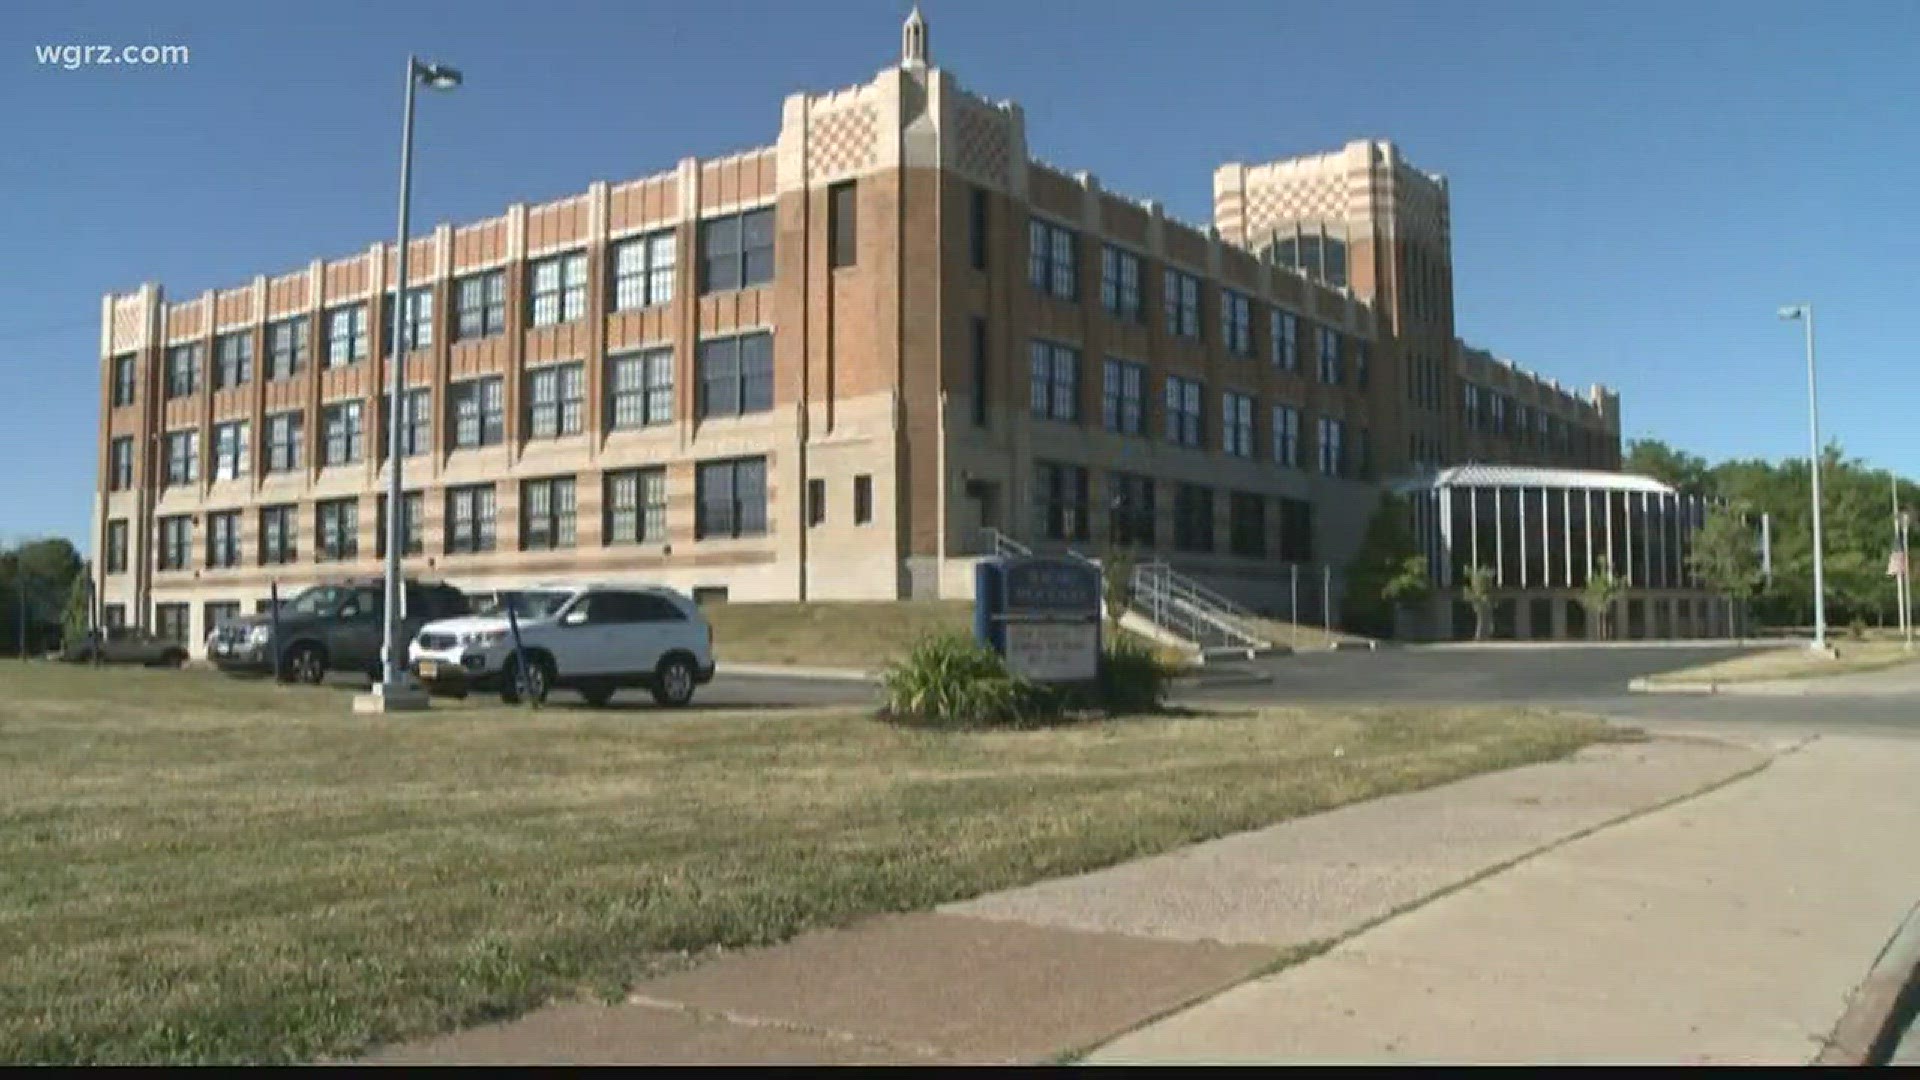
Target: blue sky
1636,186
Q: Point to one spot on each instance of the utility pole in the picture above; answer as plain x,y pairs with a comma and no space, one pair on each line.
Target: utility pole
1903,577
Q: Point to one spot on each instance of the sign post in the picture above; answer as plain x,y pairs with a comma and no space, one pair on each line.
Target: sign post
1042,615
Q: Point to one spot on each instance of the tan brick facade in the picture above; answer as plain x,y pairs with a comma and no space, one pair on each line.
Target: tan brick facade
875,374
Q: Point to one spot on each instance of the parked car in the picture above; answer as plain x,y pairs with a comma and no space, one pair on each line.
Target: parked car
126,645
332,627
594,639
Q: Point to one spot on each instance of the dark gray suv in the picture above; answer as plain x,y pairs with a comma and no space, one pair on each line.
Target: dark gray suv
332,627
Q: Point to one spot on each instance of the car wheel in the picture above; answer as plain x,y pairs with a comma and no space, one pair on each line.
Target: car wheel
305,664
597,696
531,686
673,682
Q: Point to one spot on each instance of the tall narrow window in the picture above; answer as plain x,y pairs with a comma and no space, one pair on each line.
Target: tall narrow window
1236,323
1236,424
416,420
182,457
977,228
1286,436
120,463
1052,254
978,327
736,251
1181,299
1184,421
1130,509
416,322
1056,381
1332,445
556,400
123,376
223,539
337,529
1120,283
412,524
1122,397
470,525
843,223
342,435
183,370
643,271
1060,501
277,543
285,432
346,335
479,411
736,375
636,502
232,359
117,546
862,499
232,450
1329,349
816,502
287,346
1285,327
176,542
480,305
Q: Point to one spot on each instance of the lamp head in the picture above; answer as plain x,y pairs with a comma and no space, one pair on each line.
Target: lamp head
437,76
1793,311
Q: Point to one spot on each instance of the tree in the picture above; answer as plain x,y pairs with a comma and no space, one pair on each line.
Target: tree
34,576
1689,473
78,620
1383,571
1726,555
1116,582
1478,593
1598,597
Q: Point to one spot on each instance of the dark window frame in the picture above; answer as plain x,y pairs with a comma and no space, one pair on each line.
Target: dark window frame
733,513
549,513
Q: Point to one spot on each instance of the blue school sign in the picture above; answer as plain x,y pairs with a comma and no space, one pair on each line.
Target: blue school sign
1041,614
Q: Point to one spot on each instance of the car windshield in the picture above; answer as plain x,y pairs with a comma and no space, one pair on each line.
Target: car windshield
533,604
322,601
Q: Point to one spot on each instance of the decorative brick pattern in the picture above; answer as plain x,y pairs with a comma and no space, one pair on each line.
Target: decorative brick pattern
842,143
984,144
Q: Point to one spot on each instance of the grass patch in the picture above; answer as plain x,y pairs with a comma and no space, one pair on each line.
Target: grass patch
863,635
201,869
1791,662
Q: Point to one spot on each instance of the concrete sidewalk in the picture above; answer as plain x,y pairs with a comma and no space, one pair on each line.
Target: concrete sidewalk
1902,680
1039,972
1730,928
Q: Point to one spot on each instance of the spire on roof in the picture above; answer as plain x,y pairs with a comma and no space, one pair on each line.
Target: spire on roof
913,40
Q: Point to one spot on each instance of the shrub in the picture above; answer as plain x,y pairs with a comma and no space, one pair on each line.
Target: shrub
950,680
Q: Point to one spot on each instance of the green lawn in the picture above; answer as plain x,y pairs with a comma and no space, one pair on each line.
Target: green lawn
859,635
199,869
1794,662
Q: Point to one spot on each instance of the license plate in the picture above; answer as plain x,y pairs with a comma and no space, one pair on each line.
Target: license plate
429,669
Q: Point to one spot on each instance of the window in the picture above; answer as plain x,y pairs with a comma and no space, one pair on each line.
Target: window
1497,407
113,616
183,370
413,509
816,502
556,400
1296,530
120,463
843,223
287,346
1329,349
736,375
977,228
1247,525
218,612
1321,257
232,449
1051,265
1286,340
1059,501
636,506
1130,509
479,408
337,529
232,360
346,334
1470,405
1236,323
342,436
978,326
123,376
1056,381
547,514
170,622
176,542
470,518
1286,436
1193,518
1122,404
416,322
277,544
1236,424
284,436
117,546
223,538
1182,303
863,500
1120,283
730,498
642,388
1184,426
480,305
736,251
1332,446
643,271
182,457
1362,365
557,289
416,420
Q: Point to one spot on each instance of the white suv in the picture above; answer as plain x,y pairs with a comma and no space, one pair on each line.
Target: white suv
591,638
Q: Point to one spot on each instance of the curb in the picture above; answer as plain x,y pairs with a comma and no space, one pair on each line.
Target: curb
1643,686
1871,1027
783,671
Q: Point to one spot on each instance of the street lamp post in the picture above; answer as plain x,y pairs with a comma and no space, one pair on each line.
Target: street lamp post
1804,313
392,688
1903,580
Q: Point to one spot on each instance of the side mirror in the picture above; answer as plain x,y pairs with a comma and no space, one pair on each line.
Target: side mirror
574,618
